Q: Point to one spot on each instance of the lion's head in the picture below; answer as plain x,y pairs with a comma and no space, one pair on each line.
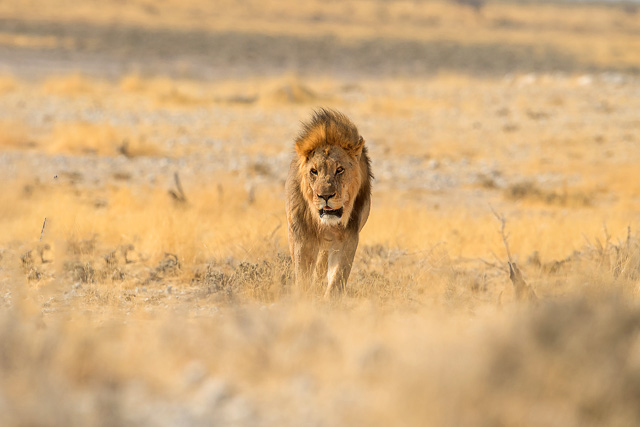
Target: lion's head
331,167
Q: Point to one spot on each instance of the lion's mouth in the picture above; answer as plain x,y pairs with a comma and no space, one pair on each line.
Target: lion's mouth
328,211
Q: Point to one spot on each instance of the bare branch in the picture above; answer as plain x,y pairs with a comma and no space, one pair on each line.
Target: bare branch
491,264
179,195
505,237
522,290
43,225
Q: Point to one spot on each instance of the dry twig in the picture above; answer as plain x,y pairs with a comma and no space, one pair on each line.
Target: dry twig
179,195
522,290
43,225
505,237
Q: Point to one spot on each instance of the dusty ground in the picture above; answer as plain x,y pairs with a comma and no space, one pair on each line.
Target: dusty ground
131,298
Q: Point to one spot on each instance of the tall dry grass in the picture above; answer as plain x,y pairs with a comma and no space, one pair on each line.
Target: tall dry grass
136,308
438,348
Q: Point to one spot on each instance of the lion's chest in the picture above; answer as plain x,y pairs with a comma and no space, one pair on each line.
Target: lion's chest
331,236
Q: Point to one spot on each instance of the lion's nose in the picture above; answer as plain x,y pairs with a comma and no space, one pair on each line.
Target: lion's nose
326,197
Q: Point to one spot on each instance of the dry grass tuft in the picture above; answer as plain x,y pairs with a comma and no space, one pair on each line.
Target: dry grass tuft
619,260
292,93
565,197
84,138
14,135
166,91
98,138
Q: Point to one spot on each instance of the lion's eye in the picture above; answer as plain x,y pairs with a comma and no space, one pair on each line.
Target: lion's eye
314,172
339,170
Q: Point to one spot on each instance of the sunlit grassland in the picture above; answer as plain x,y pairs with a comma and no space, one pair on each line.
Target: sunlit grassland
595,32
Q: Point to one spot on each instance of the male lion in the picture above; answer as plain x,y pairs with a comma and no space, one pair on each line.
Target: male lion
328,199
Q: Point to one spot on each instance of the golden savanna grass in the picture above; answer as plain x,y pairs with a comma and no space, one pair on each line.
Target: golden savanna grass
13,135
98,138
145,277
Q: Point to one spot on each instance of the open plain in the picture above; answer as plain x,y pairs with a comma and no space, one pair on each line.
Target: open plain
144,269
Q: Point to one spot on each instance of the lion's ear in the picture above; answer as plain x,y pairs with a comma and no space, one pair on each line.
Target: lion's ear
304,148
356,149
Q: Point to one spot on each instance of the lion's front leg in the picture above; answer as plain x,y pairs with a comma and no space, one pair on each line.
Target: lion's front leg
340,261
322,265
305,253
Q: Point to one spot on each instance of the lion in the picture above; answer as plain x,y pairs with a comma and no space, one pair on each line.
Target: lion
328,199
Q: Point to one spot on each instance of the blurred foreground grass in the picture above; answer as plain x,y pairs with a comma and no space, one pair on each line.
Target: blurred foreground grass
136,308
416,340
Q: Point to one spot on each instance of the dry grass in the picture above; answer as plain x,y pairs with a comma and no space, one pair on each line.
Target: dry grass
426,341
14,135
134,307
98,138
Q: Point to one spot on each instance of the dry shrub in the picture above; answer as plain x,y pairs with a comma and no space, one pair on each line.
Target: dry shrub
528,190
84,138
266,280
620,261
290,89
140,146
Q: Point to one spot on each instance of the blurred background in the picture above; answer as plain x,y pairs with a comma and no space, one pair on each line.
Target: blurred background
144,269
351,40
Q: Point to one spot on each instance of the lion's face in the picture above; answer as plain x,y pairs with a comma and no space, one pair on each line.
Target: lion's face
330,184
